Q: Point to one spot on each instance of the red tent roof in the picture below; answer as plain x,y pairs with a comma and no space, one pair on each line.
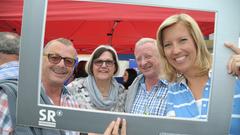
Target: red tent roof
89,24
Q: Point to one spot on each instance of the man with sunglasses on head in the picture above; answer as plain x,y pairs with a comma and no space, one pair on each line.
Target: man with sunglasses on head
9,50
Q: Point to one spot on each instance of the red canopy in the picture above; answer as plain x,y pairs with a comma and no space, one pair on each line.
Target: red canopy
89,24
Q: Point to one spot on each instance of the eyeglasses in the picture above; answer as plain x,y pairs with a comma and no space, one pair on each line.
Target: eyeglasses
55,59
108,63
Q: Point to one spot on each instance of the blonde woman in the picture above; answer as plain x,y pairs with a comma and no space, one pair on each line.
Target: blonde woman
188,63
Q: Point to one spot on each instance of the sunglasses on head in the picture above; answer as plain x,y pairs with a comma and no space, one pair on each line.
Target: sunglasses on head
55,59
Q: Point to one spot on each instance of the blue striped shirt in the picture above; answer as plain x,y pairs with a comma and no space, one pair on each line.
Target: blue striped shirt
181,103
235,125
9,70
152,102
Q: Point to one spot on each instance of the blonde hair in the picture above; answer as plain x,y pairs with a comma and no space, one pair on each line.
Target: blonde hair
97,53
145,40
203,59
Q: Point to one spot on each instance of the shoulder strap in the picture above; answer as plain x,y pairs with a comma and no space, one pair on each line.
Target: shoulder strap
10,88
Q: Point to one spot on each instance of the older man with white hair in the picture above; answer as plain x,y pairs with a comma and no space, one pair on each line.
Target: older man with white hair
147,94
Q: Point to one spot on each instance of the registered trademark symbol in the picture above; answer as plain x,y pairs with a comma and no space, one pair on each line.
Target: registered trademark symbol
59,113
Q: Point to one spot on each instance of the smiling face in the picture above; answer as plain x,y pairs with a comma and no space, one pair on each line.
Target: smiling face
179,47
104,67
53,73
147,57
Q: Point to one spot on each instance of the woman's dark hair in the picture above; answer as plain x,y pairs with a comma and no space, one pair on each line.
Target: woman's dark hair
132,74
79,71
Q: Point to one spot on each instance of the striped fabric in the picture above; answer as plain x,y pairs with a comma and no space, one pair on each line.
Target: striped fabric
67,100
9,70
5,118
153,102
181,103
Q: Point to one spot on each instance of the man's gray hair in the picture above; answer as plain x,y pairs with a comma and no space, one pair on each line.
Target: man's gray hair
64,41
9,43
145,40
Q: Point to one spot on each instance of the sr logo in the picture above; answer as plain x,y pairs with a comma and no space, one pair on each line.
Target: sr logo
47,115
47,118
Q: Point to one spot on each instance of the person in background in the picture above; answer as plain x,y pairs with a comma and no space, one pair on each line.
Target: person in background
188,63
78,73
80,69
100,90
147,94
128,77
9,51
9,69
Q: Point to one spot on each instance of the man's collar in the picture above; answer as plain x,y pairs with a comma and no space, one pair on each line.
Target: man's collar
9,64
160,81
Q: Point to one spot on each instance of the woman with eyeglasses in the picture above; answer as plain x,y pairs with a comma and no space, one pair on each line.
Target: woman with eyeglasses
100,90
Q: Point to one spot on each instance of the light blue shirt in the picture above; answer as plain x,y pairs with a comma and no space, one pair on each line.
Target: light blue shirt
235,125
181,103
9,70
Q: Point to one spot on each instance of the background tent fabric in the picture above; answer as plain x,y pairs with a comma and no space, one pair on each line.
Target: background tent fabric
89,24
